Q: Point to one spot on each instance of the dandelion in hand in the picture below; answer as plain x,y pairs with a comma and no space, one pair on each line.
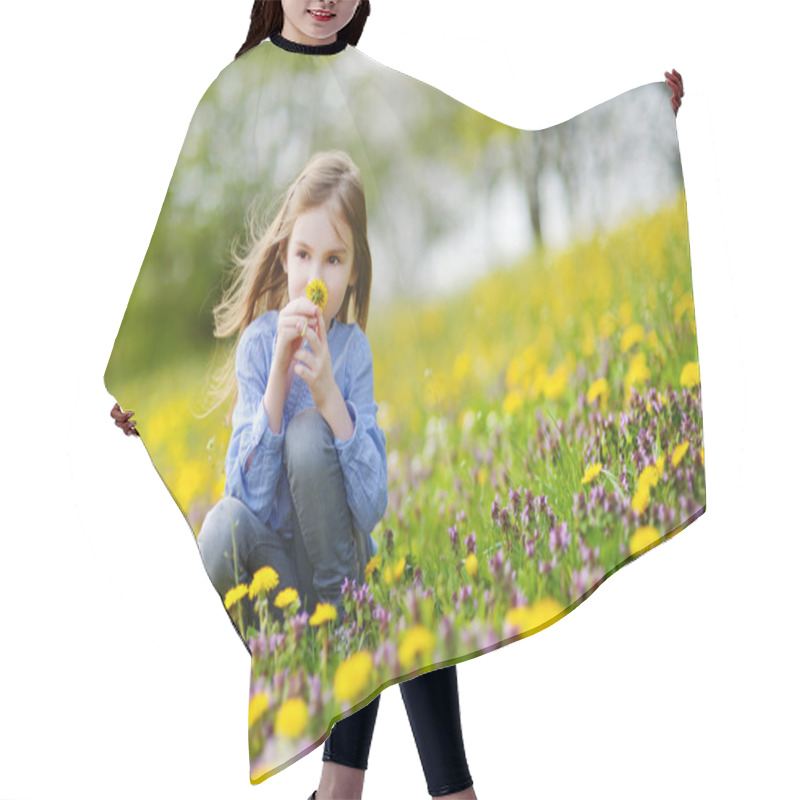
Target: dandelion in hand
317,293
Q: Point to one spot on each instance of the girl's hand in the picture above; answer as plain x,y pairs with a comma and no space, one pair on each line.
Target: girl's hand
314,366
293,317
122,419
675,82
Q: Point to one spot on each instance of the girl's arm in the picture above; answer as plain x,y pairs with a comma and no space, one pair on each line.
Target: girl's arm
363,454
255,452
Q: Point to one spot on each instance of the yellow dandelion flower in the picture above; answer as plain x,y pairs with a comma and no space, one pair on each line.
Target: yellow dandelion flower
660,465
317,293
702,456
324,612
556,383
519,617
265,580
512,402
462,366
598,389
372,565
352,676
633,334
234,595
648,477
416,642
543,611
678,453
286,597
471,565
637,373
643,537
592,471
690,374
651,340
259,703
393,574
641,499
292,718
482,476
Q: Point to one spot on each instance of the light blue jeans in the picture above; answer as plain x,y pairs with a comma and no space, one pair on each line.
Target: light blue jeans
325,546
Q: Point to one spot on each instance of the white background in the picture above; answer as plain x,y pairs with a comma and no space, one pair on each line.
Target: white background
121,677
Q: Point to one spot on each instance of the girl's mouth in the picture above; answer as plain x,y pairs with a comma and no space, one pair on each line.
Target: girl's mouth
323,16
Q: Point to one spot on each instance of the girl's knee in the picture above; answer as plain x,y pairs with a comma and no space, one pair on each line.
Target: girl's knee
306,430
214,539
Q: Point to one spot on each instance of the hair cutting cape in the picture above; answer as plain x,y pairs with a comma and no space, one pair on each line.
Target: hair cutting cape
525,398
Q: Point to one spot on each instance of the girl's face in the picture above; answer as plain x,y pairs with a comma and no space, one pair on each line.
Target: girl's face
315,22
321,246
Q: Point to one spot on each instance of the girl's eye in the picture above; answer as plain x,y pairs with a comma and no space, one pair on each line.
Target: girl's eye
337,258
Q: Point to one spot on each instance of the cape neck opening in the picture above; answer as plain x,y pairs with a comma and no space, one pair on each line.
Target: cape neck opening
308,49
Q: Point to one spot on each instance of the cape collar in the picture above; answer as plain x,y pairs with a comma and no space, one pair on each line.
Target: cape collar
308,49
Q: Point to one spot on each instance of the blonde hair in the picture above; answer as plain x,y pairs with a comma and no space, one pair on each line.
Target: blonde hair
259,282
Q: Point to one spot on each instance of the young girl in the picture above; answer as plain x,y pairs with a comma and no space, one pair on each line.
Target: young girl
306,464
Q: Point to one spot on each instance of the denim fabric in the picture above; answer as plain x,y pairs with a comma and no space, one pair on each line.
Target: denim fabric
431,701
324,546
254,465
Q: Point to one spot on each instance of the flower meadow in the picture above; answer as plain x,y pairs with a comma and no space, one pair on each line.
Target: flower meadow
544,428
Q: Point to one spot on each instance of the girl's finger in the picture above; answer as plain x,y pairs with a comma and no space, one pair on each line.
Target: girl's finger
313,339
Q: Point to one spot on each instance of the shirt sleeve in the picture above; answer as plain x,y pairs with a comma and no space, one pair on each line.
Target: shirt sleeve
363,455
255,452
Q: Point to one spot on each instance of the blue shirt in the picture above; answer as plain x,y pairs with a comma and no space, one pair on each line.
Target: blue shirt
263,485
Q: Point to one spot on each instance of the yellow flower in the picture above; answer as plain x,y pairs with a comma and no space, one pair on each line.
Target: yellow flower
556,383
324,612
372,565
512,402
643,538
640,499
286,597
660,465
234,595
520,369
352,676
637,373
462,367
471,565
417,641
679,452
265,580
648,477
317,292
543,611
519,617
393,574
634,334
690,374
259,703
598,389
702,456
592,471
292,717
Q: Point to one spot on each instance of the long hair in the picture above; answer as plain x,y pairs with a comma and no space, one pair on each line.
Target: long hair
259,282
266,19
